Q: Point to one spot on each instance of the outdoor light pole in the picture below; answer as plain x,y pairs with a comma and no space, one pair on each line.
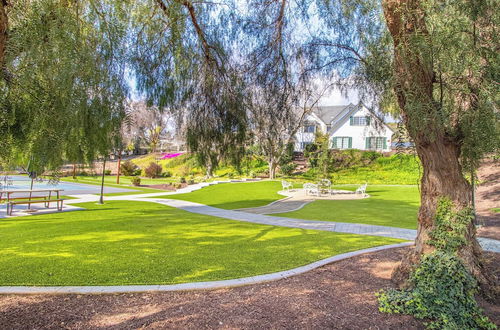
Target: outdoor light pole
101,199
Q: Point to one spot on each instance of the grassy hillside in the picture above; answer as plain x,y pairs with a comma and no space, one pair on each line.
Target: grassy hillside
395,169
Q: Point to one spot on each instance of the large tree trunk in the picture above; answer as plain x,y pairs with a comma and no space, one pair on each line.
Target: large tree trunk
438,152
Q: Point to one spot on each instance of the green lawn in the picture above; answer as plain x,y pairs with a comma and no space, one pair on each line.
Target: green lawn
496,210
110,181
232,196
394,206
125,242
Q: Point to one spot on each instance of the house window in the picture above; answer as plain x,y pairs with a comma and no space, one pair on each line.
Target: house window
376,143
342,142
360,121
309,128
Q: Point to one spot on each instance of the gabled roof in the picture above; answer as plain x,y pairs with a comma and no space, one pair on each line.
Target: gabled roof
335,116
331,114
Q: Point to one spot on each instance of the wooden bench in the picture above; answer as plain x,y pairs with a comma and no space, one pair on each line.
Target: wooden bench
10,205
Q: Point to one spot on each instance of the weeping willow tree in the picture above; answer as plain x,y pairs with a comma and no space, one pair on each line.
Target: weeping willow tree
280,91
183,60
61,88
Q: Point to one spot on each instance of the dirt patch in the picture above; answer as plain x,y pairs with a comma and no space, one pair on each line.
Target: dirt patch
338,296
487,198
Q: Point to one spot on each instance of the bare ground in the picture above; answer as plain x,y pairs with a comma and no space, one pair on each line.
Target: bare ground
336,296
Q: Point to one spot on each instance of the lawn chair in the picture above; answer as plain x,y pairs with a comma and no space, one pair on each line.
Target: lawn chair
325,186
286,185
311,188
362,190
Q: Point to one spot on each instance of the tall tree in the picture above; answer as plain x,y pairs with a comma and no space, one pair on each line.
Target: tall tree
62,86
438,62
445,59
183,60
280,89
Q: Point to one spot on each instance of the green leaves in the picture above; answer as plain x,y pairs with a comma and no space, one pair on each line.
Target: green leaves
65,98
442,289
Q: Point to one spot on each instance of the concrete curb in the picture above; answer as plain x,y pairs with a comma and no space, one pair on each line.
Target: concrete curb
194,285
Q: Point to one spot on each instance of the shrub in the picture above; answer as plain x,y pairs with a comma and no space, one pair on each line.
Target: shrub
182,180
166,174
107,172
153,170
443,291
190,181
128,168
83,173
287,169
441,288
136,181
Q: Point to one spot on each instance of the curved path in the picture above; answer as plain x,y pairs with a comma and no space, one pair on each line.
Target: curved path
353,228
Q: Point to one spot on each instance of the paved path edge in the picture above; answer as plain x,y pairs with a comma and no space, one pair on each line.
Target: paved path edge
193,285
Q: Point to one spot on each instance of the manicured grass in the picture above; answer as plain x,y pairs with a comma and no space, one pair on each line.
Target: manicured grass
394,206
125,242
110,181
232,196
496,210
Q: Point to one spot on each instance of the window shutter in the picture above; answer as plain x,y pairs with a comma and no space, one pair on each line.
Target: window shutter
367,143
385,143
351,121
368,118
334,143
350,142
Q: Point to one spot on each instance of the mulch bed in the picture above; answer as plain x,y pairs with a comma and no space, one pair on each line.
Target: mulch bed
338,296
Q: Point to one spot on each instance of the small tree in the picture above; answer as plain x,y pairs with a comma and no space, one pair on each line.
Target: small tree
128,168
153,170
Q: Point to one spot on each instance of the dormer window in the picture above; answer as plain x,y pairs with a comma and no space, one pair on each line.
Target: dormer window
360,121
309,128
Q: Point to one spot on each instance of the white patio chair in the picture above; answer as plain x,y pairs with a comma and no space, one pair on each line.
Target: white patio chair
286,185
362,190
311,188
325,186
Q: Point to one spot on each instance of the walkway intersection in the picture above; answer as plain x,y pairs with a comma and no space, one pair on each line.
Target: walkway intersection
352,228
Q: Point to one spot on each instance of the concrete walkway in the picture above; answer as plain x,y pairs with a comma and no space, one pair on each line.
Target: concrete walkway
353,228
280,206
297,198
340,227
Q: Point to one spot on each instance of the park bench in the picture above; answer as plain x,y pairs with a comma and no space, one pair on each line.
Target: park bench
10,205
30,199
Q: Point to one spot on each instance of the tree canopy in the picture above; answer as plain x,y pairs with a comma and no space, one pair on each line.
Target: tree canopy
62,87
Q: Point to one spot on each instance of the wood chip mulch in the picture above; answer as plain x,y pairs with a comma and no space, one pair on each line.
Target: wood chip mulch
336,296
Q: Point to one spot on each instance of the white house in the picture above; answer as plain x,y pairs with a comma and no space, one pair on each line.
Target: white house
348,126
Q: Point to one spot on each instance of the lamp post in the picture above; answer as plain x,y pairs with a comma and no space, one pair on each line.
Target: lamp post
101,198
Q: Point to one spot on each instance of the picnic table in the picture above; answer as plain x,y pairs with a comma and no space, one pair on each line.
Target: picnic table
30,199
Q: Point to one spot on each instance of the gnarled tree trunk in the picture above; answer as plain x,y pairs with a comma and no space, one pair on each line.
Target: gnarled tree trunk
438,151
